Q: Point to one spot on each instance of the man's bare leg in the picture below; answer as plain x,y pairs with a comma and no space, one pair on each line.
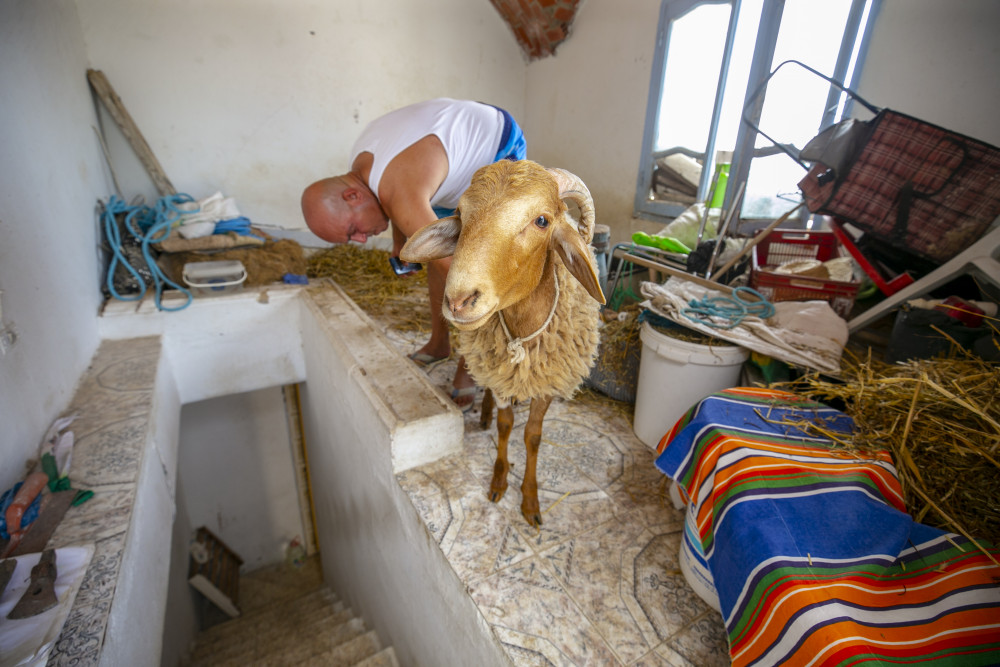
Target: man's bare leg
440,343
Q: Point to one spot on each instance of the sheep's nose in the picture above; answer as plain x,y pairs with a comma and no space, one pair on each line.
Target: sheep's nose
462,302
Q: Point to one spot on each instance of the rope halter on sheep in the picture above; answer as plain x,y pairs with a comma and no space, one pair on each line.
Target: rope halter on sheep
515,345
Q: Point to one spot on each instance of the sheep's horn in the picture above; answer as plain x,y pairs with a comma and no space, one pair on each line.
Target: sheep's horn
573,188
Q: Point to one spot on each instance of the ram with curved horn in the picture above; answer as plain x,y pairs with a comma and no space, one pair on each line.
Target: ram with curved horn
524,295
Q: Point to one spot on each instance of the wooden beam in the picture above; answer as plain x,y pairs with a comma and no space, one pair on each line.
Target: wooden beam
114,105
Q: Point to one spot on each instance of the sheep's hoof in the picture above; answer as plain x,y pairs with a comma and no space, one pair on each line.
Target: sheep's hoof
498,485
531,511
534,518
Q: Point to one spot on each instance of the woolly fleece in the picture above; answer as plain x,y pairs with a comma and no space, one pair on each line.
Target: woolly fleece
557,361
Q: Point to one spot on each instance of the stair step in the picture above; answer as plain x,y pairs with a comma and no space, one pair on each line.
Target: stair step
317,598
348,654
287,636
297,625
310,603
323,635
384,658
286,626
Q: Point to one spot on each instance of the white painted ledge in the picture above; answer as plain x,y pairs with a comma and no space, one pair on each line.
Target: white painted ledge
380,414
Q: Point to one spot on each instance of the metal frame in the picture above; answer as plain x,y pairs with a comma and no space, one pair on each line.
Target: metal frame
745,151
670,10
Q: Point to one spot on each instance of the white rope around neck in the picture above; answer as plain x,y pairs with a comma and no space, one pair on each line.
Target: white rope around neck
514,345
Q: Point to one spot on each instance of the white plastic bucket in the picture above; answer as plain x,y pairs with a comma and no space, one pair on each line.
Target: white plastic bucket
675,374
697,574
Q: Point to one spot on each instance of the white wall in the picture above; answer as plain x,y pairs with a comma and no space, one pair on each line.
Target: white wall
254,99
361,411
587,105
258,99
51,176
938,61
235,464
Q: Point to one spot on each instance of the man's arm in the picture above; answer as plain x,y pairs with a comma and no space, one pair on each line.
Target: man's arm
407,185
398,240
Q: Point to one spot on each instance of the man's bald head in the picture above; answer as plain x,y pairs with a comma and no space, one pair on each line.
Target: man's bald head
341,209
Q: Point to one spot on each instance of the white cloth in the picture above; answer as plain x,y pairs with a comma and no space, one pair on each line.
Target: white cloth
801,333
469,131
685,227
204,214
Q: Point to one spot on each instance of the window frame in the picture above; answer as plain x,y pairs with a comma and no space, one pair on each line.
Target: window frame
760,68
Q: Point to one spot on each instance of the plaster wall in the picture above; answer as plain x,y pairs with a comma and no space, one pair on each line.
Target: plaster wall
140,595
236,467
375,551
260,99
50,178
938,61
590,99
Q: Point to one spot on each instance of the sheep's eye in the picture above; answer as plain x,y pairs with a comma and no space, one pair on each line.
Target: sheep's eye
541,222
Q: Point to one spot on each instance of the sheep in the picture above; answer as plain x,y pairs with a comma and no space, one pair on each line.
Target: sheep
524,295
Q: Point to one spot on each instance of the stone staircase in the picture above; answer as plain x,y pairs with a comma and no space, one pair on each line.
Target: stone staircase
306,627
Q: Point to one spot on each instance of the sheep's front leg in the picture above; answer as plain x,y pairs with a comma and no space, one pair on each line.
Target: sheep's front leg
505,422
486,410
532,441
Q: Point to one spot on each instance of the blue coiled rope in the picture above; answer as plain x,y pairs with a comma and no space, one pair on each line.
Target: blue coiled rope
733,309
148,225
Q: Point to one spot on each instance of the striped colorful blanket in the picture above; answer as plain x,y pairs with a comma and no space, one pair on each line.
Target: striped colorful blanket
809,547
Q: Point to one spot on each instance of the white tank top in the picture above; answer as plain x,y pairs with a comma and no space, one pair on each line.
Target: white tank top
469,131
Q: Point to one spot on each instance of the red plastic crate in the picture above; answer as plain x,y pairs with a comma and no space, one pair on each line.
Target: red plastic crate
784,245
887,286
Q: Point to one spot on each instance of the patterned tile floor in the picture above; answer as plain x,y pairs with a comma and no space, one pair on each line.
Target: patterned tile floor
600,582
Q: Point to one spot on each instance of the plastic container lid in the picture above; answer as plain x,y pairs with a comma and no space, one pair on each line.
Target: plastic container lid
200,271
215,275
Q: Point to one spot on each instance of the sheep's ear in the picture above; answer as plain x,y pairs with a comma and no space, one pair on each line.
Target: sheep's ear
435,241
577,258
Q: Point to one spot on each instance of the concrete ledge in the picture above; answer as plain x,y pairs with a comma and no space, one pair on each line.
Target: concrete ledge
368,414
124,398
422,423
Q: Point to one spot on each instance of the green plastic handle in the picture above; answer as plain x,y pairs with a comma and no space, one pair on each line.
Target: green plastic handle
668,243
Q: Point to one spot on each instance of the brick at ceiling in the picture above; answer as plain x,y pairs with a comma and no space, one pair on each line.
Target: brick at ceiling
539,25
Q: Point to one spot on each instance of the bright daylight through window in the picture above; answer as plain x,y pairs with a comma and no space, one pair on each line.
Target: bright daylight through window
710,57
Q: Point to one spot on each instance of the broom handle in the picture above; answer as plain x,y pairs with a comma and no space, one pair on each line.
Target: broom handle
757,239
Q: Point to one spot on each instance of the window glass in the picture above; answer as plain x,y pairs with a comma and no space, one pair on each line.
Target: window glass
696,44
739,74
681,140
810,32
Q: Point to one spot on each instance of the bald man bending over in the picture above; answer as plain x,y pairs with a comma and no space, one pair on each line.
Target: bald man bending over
409,168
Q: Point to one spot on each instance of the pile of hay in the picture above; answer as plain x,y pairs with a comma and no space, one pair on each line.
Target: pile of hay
941,420
368,279
264,264
616,369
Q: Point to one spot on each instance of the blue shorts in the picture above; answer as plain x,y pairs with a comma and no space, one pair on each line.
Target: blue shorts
512,143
